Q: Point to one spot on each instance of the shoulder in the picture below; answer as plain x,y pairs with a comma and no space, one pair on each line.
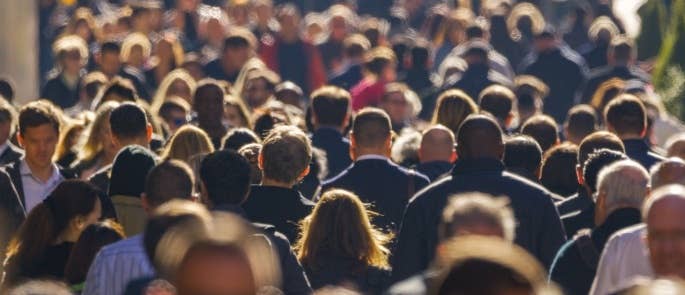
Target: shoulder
123,248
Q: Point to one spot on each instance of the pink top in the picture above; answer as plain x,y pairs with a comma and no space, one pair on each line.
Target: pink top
368,92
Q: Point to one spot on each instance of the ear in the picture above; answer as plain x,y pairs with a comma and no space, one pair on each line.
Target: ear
453,157
148,132
579,175
303,174
20,139
260,161
353,147
313,119
507,121
145,203
644,131
204,196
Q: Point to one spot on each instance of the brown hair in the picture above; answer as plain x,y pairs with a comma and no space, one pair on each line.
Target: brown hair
378,58
340,224
626,115
596,141
38,113
452,109
371,127
558,172
91,240
187,142
232,101
497,100
331,105
171,179
286,153
543,129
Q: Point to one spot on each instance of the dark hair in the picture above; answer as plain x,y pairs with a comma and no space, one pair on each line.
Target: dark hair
543,129
171,179
522,154
128,121
420,54
7,112
330,105
497,100
110,47
208,100
595,162
596,141
237,138
226,176
622,48
475,31
7,89
238,38
371,127
626,115
38,113
479,136
267,122
286,153
91,240
355,45
129,169
45,222
558,173
120,87
376,59
581,121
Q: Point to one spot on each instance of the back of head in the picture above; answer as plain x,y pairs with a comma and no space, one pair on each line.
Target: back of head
38,113
522,155
420,54
580,122
477,214
371,128
118,89
7,89
479,137
239,37
452,108
543,129
286,154
128,121
598,140
129,170
669,171
355,45
625,115
597,161
437,144
187,142
225,177
625,183
91,240
171,179
622,49
376,59
237,138
498,101
558,172
330,106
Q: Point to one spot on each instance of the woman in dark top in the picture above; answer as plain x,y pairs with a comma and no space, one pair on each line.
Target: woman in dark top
43,243
339,246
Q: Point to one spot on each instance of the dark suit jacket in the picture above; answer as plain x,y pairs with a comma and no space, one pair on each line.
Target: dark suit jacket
539,228
639,151
14,173
381,183
11,210
576,202
280,207
603,74
11,154
337,149
434,170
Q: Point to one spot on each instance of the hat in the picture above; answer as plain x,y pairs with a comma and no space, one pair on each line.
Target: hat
129,171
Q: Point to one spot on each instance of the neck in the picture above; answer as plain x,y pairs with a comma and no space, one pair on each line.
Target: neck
41,172
276,183
361,153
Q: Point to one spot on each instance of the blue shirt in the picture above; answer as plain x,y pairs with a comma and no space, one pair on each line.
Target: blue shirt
116,265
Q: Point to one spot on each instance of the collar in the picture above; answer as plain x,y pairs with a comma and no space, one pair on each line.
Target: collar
635,143
464,166
24,170
371,157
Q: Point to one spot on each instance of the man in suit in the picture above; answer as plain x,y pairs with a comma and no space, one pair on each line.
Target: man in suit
330,114
479,168
373,176
436,153
8,152
284,161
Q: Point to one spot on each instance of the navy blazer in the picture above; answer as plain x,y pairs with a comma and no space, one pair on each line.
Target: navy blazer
11,154
381,183
539,229
639,151
336,146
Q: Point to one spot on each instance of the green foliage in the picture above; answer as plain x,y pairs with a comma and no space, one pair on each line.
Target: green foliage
672,91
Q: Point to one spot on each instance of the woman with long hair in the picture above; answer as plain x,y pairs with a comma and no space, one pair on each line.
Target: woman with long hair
187,142
43,243
452,108
339,245
177,83
96,149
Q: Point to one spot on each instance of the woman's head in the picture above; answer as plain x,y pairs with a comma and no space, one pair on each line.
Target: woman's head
177,83
187,142
452,109
92,239
135,49
97,136
340,225
235,113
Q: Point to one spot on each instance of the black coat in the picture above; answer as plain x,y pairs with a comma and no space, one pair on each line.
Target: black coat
539,228
638,151
11,154
348,78
435,169
337,149
280,207
575,202
577,212
59,93
475,79
383,184
344,271
570,270
603,74
11,210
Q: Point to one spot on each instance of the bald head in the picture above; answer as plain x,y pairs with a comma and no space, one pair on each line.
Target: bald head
480,137
437,144
664,214
670,171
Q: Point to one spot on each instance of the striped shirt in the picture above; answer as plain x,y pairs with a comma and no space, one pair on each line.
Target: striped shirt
116,265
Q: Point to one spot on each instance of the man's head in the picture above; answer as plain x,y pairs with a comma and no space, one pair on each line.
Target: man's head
225,178
625,116
498,101
476,54
39,129
330,107
285,156
355,46
169,180
371,133
71,53
8,118
558,171
670,171
480,137
381,62
675,146
396,102
437,144
260,86
593,142
128,124
239,47
623,184
580,122
523,156
595,163
118,89
289,17
663,213
420,55
543,129
477,214
622,51
530,92
129,171
208,102
109,59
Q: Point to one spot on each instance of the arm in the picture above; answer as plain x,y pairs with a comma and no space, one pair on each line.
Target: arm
410,256
295,281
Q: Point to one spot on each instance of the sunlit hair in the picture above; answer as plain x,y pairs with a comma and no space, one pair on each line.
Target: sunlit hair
187,142
161,94
133,40
602,23
67,138
525,10
474,209
232,101
452,109
176,49
606,92
85,15
69,43
93,139
340,224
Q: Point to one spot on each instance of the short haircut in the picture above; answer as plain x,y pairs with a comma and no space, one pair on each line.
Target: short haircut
128,121
171,179
420,54
355,45
522,152
626,183
378,58
543,129
7,114
596,141
622,48
558,172
330,105
38,113
475,30
110,47
471,209
479,137
626,114
7,89
371,127
239,38
226,177
581,121
121,87
237,138
497,100
596,162
286,153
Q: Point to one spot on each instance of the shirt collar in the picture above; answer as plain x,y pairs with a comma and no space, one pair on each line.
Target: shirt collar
26,171
371,157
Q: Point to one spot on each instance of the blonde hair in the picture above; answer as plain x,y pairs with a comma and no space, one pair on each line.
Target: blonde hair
187,142
133,40
340,223
161,94
70,43
232,101
520,11
92,143
452,109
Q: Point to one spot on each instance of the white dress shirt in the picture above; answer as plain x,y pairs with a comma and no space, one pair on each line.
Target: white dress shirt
625,258
35,190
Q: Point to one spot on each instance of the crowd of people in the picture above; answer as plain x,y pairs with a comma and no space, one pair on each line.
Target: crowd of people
341,147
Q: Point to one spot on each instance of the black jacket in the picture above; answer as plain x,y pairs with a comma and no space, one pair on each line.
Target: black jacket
336,146
603,74
577,212
334,270
575,202
475,79
539,229
639,151
11,154
347,79
10,208
435,169
59,93
13,170
382,183
280,207
570,269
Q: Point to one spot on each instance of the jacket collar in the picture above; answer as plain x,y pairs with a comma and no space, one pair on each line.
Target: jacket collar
617,220
466,166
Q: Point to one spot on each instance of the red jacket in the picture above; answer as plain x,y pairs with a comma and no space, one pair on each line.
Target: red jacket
316,73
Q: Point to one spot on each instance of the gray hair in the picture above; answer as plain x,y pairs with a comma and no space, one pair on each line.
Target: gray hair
625,183
666,172
477,209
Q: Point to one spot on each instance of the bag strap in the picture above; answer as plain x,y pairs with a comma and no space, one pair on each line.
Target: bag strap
587,249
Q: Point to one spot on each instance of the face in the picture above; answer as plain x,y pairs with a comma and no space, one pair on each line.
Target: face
110,63
215,32
135,58
396,106
235,58
289,26
389,73
180,89
5,129
257,92
264,13
338,27
175,119
204,272
666,237
71,62
39,144
83,31
232,116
